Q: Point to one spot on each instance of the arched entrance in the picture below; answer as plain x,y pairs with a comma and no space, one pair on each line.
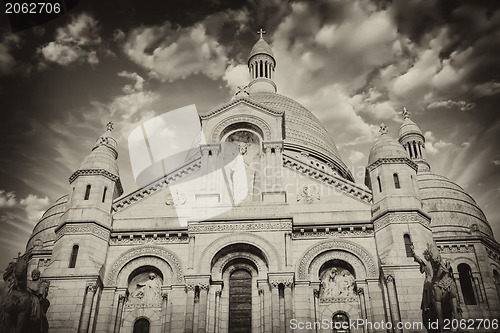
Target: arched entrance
141,325
240,301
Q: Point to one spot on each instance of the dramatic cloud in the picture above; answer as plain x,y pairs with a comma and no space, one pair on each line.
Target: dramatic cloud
461,105
34,206
432,145
74,42
8,42
7,199
171,53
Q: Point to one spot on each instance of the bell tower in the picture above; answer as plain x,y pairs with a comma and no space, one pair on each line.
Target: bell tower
412,139
261,65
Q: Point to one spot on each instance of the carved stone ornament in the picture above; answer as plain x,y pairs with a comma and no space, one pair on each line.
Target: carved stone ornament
145,287
176,199
308,195
337,282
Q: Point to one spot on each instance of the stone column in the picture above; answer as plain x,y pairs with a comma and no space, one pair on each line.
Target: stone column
204,166
393,302
191,251
164,312
119,313
315,305
215,168
275,306
217,310
87,307
278,163
202,312
288,305
288,248
261,309
268,169
188,324
302,301
361,293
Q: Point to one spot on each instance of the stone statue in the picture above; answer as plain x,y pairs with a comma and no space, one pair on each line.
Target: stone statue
40,304
21,310
439,297
148,290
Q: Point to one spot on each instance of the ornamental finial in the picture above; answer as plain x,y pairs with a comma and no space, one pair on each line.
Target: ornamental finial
261,32
109,126
406,113
383,129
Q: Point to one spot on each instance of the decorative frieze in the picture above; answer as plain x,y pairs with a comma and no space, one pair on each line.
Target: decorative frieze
243,226
392,160
395,218
137,239
102,172
82,229
266,129
318,233
338,300
456,248
493,254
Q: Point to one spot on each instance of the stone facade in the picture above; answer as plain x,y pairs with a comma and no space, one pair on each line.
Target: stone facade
308,244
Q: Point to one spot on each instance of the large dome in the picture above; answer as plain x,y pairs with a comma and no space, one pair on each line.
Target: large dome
303,131
451,208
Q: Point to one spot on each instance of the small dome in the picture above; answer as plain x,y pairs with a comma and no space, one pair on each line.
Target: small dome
453,211
408,126
103,155
44,230
261,47
386,147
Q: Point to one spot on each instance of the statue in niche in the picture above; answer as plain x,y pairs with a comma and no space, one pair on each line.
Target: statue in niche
249,154
145,287
337,282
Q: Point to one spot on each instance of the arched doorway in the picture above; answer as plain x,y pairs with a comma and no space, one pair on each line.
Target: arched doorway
240,301
141,325
340,323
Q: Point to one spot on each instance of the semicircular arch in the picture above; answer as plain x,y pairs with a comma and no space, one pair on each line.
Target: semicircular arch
255,121
304,264
131,266
270,253
147,251
351,259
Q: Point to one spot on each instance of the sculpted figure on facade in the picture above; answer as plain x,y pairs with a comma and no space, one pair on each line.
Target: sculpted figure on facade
337,282
40,304
244,172
147,290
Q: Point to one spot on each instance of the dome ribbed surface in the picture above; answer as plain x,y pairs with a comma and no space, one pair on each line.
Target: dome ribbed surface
386,147
301,126
409,127
103,155
45,228
261,47
451,208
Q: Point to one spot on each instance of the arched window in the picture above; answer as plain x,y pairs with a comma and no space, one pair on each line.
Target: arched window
104,194
240,301
87,193
415,149
465,276
141,325
396,180
379,185
261,69
408,244
74,254
340,323
496,276
266,68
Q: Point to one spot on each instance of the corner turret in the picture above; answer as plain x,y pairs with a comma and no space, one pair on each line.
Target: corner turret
412,139
261,65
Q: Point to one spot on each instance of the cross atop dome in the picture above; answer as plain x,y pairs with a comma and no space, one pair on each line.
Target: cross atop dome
109,126
406,113
261,32
383,129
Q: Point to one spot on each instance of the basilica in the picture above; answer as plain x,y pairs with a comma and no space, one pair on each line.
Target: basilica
262,228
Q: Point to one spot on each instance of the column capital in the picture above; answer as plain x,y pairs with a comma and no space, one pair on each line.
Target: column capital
164,296
286,279
122,298
190,287
218,293
389,278
91,287
360,291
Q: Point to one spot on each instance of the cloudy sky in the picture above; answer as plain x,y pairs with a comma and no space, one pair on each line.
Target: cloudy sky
353,63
